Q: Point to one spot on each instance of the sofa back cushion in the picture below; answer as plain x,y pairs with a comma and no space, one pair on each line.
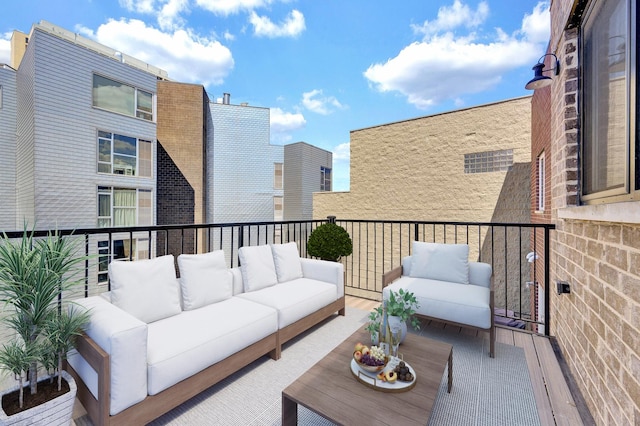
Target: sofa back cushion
146,289
204,279
287,261
443,262
258,269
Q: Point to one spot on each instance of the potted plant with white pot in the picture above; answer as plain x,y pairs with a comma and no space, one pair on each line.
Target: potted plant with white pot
33,275
401,307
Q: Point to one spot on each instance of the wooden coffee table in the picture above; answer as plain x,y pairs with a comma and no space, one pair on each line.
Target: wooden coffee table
330,389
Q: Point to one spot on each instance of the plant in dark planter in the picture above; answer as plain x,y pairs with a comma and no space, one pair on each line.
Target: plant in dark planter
329,242
33,275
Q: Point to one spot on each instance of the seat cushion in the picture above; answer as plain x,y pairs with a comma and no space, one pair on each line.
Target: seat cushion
287,261
295,299
444,262
180,346
258,269
462,303
204,279
133,282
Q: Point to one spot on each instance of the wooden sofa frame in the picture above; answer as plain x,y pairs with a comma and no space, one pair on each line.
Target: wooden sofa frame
394,274
153,406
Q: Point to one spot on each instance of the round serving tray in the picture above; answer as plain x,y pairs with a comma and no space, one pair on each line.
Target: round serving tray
369,379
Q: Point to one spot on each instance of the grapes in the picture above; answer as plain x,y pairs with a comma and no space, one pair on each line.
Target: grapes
368,359
377,353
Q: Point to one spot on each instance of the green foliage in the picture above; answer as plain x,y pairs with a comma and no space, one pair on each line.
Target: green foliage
329,242
33,275
401,304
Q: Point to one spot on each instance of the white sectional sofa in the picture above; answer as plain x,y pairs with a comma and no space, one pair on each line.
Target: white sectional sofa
448,287
155,341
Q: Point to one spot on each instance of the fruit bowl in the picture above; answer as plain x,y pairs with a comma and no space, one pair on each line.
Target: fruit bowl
371,368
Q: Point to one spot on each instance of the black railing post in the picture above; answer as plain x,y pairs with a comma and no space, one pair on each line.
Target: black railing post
547,269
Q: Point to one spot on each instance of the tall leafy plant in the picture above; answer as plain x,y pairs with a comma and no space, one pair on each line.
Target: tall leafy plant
33,275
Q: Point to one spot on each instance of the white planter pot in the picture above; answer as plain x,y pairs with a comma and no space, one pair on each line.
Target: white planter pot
56,412
403,325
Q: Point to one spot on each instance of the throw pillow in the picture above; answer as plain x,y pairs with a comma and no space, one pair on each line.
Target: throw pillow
147,289
287,261
444,262
258,269
204,279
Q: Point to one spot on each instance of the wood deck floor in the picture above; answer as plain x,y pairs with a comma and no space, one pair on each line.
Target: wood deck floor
556,405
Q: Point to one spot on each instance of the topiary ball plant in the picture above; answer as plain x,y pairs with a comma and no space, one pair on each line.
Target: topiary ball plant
329,242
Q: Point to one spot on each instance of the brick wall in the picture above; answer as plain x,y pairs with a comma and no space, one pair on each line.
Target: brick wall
598,325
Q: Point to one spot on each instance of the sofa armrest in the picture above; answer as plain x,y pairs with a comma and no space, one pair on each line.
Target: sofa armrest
480,273
124,338
323,270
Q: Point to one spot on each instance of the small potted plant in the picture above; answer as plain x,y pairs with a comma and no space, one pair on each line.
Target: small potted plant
33,275
373,326
401,307
329,242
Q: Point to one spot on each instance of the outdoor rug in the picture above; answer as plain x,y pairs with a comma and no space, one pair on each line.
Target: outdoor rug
486,391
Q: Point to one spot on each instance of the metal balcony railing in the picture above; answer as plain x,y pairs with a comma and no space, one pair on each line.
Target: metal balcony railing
518,253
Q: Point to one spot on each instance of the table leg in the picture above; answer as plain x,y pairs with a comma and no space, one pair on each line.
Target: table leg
450,368
289,411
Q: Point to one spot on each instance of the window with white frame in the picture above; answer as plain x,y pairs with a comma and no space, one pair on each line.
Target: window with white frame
277,175
121,249
278,209
540,185
325,178
124,155
122,98
609,170
124,207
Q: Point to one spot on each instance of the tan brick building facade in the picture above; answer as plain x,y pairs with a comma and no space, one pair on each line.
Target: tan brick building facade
443,167
596,248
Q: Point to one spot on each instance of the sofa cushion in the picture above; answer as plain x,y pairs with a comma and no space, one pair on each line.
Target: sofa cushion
287,261
295,299
258,269
185,344
444,262
462,303
132,284
204,279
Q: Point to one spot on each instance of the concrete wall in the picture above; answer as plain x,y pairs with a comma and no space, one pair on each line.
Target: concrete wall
596,248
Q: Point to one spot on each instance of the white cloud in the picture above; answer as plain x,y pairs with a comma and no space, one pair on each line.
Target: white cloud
444,66
167,12
292,26
282,123
315,102
451,17
185,56
342,152
140,6
5,48
228,7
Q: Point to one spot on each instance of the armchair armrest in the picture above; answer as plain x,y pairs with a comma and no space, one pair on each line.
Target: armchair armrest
390,276
323,270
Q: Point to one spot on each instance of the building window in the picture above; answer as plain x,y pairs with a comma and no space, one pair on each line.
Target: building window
121,98
325,179
124,155
121,249
540,185
608,133
278,209
277,175
488,161
124,207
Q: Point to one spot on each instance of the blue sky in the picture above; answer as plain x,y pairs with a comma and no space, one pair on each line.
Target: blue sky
323,67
